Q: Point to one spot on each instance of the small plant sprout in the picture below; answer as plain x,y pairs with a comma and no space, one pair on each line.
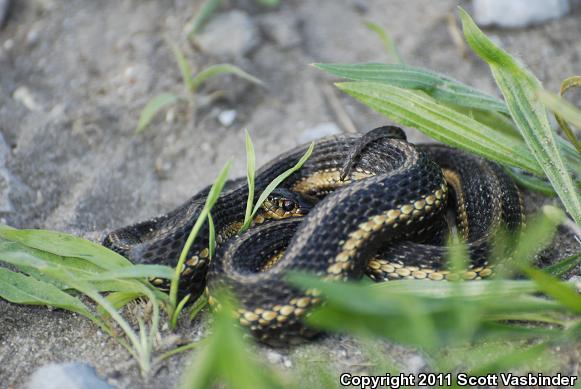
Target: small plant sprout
191,84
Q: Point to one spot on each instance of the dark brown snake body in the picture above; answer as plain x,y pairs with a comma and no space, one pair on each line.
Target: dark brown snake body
384,219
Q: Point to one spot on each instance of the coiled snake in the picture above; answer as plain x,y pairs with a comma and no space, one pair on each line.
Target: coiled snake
375,205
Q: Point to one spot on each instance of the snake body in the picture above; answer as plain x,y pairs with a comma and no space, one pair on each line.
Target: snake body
380,214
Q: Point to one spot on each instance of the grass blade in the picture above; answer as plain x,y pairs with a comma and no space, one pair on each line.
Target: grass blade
211,236
216,70
276,182
205,13
388,43
558,290
442,123
118,300
563,111
66,245
213,196
519,88
531,182
485,109
436,85
21,289
564,266
152,108
250,176
183,64
225,349
135,271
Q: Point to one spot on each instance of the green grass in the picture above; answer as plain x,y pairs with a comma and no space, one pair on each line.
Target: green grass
191,84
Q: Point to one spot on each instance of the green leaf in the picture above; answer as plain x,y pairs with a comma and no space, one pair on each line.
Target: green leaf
35,262
388,43
213,196
185,68
519,88
564,266
506,361
442,123
66,245
436,85
532,183
211,237
152,108
250,175
21,289
276,182
218,69
118,300
135,271
226,348
197,306
471,102
205,13
560,291
562,108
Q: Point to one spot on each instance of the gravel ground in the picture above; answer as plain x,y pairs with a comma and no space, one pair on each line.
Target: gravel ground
75,74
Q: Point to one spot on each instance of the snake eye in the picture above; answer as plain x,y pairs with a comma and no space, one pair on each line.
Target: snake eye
288,206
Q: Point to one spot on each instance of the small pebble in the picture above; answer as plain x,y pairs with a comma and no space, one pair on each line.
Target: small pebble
23,95
273,357
226,118
32,37
518,13
414,364
67,375
8,44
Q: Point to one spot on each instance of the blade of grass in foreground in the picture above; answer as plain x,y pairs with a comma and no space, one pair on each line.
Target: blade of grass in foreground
519,88
250,175
21,289
442,123
212,198
225,358
276,182
66,245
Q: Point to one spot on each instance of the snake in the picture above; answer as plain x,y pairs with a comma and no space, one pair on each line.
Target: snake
361,205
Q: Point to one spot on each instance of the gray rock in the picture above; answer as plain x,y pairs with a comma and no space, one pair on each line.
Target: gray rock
283,31
66,376
319,131
231,34
518,13
227,117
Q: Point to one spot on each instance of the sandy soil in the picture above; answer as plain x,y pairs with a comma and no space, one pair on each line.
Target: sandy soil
74,76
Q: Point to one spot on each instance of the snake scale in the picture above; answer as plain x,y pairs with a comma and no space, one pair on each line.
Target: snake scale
374,204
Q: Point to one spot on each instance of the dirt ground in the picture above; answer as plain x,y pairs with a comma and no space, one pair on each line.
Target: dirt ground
75,74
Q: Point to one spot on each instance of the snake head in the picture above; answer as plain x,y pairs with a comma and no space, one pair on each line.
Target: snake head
283,204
